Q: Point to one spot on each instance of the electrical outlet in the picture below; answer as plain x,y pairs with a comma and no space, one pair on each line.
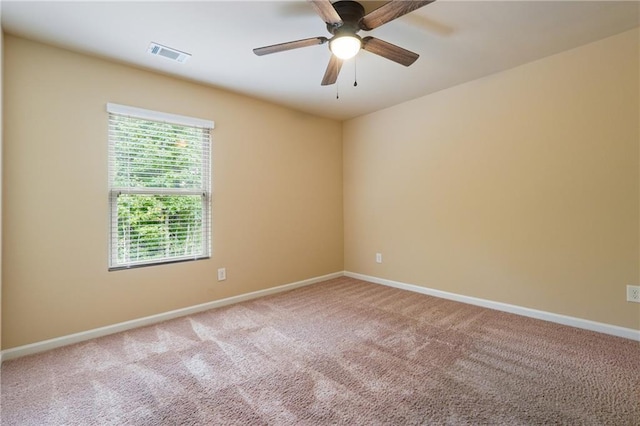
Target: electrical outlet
222,274
378,257
633,293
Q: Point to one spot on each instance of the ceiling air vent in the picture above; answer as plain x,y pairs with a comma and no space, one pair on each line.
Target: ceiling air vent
169,53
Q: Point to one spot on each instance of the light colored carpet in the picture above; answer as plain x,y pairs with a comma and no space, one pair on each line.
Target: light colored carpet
339,352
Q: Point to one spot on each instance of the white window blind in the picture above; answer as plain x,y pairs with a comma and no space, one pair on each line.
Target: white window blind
159,187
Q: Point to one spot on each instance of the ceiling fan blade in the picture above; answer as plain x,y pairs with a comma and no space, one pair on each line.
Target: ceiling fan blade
390,51
390,11
327,12
333,69
266,50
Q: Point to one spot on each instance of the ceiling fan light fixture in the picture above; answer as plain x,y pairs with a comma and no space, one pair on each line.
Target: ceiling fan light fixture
345,46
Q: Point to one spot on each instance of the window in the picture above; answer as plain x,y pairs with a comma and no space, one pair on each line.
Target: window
159,187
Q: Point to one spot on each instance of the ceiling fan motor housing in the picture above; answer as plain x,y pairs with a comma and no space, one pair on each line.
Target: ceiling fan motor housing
351,13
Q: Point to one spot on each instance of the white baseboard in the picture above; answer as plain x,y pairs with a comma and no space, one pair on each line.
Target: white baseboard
614,330
153,319
46,345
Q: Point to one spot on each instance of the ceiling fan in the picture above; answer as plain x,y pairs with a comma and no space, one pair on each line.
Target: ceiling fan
344,19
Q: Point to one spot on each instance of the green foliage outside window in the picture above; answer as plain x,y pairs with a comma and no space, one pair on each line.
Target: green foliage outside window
159,226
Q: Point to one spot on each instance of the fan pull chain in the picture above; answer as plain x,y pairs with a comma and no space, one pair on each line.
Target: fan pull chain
337,90
355,72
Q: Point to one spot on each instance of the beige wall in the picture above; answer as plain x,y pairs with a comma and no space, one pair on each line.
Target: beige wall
522,187
277,205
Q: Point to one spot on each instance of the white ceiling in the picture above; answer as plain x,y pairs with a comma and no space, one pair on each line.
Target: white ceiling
458,41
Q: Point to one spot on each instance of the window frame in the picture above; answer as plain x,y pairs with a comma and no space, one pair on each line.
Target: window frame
114,192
